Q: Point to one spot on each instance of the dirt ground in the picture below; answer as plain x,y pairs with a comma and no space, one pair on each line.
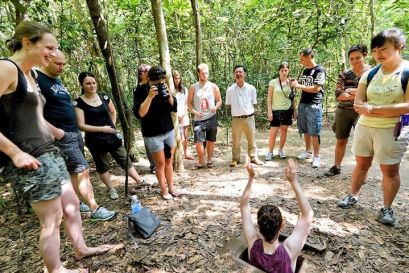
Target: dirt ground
196,227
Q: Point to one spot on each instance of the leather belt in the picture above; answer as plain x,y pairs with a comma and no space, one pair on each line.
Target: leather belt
244,116
346,107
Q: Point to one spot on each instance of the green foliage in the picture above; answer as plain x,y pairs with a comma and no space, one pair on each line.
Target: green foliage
257,33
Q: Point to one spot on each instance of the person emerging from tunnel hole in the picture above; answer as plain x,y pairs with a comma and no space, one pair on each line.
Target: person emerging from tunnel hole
265,251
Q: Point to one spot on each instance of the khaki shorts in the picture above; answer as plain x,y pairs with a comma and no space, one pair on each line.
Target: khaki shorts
41,184
380,144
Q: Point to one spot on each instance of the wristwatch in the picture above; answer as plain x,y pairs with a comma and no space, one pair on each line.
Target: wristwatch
370,108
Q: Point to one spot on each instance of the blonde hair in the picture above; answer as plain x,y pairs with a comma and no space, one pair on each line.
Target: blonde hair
202,66
33,31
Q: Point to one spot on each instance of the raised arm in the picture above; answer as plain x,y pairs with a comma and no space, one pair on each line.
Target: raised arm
249,230
144,108
295,242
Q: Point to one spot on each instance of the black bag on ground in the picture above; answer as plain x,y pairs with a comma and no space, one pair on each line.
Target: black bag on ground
143,223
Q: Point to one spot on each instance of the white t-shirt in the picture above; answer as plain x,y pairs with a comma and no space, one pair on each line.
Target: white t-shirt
182,108
242,99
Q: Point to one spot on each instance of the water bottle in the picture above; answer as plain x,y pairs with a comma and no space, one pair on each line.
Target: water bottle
136,205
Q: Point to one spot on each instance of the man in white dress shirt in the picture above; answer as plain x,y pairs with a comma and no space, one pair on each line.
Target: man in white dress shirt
241,98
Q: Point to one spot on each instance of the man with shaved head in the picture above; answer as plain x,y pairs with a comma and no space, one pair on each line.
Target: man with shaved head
59,112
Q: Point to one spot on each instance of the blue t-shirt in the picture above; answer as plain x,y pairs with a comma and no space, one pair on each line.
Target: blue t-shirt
58,109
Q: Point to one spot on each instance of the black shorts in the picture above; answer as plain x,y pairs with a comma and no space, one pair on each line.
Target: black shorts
282,117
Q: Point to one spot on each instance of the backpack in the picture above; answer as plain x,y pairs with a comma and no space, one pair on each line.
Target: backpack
404,76
7,121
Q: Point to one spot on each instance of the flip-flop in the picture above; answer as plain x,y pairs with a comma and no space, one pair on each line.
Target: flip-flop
189,157
175,194
197,167
210,165
167,197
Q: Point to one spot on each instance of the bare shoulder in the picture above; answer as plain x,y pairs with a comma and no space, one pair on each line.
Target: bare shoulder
8,77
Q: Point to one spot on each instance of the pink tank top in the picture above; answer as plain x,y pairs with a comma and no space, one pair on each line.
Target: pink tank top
278,262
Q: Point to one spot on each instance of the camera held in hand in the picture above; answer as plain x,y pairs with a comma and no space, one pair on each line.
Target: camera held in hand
162,90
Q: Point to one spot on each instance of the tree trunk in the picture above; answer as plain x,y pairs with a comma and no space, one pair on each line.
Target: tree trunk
164,54
198,29
20,9
124,113
372,17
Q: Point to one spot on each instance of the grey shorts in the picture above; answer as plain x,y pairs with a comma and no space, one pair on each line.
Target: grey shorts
41,184
309,119
205,130
72,148
157,143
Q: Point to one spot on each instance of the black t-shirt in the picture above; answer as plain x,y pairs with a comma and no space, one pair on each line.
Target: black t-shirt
311,77
96,116
58,109
157,120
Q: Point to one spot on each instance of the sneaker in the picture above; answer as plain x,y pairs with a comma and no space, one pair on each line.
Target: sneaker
269,156
113,194
333,171
304,155
385,216
316,162
153,170
257,161
84,208
347,202
281,154
102,214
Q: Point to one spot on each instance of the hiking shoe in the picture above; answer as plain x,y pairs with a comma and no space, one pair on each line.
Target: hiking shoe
257,161
347,202
84,208
234,163
386,217
269,156
333,171
305,155
113,194
281,154
102,214
316,162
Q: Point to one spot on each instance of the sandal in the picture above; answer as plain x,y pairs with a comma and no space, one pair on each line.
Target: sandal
189,157
175,194
210,165
198,167
167,197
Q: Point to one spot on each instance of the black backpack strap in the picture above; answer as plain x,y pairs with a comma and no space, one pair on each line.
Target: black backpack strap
371,74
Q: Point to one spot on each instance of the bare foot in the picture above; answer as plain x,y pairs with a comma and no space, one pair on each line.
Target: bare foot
189,157
93,251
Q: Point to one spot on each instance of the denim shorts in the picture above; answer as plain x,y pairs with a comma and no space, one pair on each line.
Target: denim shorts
72,148
205,130
41,184
157,143
309,118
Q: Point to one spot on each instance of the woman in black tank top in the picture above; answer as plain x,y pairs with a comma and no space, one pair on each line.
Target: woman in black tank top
35,166
96,116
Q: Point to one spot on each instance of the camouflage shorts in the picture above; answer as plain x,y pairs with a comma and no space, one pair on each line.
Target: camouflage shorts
41,184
